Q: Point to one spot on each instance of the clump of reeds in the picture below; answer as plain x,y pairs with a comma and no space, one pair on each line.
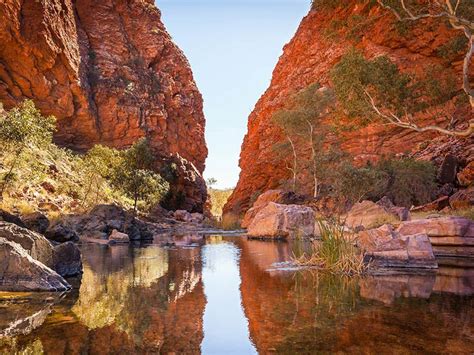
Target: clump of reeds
335,251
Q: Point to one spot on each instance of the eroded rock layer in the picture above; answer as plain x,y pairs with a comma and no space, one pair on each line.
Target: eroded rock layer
323,37
111,74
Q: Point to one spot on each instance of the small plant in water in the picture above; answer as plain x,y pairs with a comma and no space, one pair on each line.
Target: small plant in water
335,252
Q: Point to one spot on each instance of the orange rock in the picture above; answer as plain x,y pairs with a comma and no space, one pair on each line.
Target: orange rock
309,57
110,73
466,176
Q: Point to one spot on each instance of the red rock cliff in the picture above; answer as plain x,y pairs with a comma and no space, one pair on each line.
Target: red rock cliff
111,74
321,40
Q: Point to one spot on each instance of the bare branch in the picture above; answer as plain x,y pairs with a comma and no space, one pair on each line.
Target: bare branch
397,121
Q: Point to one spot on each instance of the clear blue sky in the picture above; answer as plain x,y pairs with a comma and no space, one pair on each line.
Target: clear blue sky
233,47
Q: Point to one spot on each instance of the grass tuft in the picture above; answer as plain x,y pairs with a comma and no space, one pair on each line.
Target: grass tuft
335,252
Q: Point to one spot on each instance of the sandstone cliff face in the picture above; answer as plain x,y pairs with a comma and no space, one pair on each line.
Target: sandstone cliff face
110,73
322,38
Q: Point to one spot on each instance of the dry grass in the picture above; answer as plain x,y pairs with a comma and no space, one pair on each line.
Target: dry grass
230,221
467,213
335,252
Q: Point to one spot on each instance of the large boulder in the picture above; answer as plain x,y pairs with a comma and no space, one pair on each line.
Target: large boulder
450,236
462,199
61,233
368,214
448,169
36,221
37,246
283,221
62,257
20,272
67,259
277,196
385,248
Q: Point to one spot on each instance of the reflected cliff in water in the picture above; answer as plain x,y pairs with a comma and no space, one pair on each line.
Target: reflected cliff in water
130,300
306,311
233,295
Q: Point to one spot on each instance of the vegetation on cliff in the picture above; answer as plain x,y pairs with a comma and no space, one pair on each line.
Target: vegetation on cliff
312,146
37,174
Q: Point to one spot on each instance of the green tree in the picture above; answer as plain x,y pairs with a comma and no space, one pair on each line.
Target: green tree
358,183
101,164
136,178
301,124
20,128
376,88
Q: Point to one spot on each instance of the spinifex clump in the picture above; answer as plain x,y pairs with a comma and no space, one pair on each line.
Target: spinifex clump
335,251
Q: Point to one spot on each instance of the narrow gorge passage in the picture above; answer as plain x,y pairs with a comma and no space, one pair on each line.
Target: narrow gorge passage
236,177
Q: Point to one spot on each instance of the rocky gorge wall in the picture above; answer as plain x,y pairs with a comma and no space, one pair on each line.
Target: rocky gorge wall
111,74
323,37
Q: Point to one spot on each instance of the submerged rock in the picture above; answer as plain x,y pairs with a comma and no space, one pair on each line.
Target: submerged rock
276,220
20,272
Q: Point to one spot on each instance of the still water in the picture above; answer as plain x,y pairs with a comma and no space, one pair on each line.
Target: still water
233,296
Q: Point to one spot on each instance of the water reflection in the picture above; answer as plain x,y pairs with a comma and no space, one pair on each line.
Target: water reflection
226,296
307,311
225,325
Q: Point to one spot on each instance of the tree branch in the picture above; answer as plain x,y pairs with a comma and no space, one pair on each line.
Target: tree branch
397,121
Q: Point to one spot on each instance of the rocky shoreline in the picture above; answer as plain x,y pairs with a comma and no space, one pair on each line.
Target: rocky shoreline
37,254
385,234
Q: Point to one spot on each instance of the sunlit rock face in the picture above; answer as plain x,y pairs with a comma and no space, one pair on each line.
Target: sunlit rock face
111,74
309,57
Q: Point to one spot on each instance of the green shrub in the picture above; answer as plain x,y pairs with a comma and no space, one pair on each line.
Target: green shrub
355,184
102,175
410,182
136,178
405,181
354,75
22,128
453,47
